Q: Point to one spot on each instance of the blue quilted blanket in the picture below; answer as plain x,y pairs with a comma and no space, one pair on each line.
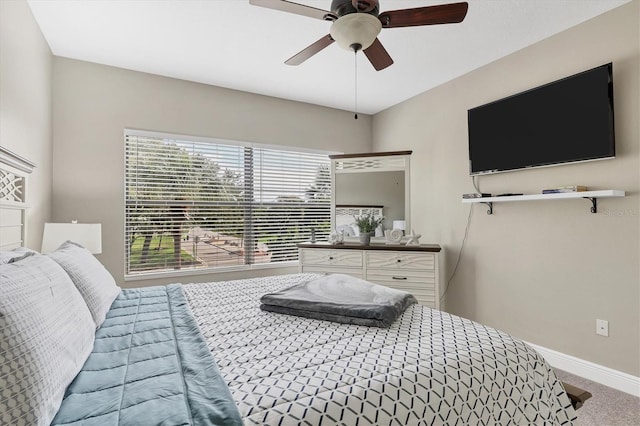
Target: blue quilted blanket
150,366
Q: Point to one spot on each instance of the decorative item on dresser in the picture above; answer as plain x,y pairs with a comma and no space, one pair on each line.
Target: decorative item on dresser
414,239
336,237
393,236
367,225
411,268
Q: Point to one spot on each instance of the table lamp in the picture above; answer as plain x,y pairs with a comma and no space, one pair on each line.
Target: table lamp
88,235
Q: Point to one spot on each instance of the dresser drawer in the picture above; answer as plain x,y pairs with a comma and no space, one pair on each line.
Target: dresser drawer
354,272
425,293
400,260
427,300
401,275
424,297
321,257
422,284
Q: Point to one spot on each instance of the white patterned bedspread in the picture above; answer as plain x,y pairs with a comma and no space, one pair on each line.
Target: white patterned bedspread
428,368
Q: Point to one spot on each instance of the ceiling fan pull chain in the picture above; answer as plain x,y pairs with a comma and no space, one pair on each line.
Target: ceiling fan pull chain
355,86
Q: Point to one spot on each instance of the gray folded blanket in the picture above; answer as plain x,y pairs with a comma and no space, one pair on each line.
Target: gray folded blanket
340,298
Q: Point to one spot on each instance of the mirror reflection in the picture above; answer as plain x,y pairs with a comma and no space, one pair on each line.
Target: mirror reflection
377,185
383,190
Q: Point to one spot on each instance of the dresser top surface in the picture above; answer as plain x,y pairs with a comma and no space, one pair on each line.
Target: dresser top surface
375,246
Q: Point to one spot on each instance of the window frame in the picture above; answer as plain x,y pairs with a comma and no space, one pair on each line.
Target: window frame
154,274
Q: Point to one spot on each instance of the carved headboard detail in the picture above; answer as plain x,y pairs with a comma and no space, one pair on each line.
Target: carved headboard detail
345,217
14,172
353,211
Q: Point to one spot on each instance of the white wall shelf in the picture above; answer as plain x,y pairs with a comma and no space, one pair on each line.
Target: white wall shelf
589,195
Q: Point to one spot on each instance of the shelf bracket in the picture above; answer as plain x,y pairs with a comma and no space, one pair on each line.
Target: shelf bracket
490,205
594,204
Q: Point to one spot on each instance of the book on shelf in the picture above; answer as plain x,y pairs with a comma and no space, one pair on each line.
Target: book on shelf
476,195
564,189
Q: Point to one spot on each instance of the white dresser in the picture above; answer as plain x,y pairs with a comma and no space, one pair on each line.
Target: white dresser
410,268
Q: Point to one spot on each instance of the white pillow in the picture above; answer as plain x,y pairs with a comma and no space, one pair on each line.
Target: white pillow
344,219
95,283
46,335
346,230
15,254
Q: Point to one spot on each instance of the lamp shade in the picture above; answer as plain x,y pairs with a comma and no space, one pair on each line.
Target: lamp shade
355,31
88,235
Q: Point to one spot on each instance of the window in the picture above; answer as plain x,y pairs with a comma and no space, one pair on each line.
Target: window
195,203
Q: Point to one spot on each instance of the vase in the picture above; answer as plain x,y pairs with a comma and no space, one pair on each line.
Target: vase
365,238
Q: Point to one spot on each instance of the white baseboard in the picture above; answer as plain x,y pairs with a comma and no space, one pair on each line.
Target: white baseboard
598,373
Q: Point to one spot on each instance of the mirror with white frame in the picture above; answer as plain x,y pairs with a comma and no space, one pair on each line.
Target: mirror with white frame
375,183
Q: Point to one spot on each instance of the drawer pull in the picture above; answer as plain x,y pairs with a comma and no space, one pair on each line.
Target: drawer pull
399,278
398,260
330,257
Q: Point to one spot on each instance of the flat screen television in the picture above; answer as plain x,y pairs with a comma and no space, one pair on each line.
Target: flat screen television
564,121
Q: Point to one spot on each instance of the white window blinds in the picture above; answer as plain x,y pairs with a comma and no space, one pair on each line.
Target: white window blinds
193,204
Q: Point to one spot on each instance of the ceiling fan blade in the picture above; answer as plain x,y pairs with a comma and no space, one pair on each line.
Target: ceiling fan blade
378,56
428,15
298,9
308,52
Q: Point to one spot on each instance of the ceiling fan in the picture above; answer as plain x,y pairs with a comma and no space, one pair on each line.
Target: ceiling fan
357,23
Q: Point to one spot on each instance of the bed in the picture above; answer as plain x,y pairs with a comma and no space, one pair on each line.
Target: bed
429,367
206,354
77,350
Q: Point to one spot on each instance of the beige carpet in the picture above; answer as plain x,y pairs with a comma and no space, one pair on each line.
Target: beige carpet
607,406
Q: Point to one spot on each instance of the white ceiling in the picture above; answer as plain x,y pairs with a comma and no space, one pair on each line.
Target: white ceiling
232,44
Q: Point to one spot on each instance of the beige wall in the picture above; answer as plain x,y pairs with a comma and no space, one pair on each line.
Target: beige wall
94,103
544,270
25,106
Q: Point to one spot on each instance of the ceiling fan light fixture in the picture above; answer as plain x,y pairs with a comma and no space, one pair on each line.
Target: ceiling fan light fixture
355,31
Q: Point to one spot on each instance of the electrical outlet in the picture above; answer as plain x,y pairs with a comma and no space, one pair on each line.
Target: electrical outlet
602,327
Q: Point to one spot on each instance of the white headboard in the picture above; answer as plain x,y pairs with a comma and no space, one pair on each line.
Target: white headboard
351,212
14,171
